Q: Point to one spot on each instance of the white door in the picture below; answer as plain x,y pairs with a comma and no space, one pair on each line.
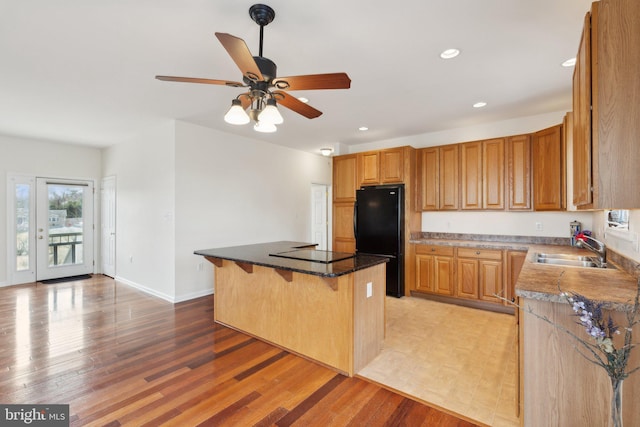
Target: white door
64,228
319,222
108,204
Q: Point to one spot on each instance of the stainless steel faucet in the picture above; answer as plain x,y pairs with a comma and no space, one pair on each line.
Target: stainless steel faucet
601,250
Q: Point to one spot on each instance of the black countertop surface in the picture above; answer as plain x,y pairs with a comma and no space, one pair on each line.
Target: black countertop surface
259,254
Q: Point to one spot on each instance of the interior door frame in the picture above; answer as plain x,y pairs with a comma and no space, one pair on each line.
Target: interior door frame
108,226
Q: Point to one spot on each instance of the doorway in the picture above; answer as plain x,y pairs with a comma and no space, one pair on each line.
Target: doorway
319,215
51,228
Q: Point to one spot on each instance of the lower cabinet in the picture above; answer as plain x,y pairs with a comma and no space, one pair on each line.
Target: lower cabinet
480,274
435,269
467,274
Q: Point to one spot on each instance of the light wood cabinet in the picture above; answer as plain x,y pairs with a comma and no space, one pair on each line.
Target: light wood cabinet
515,261
435,269
344,178
438,178
519,173
482,174
381,167
428,179
448,177
344,196
471,175
480,274
606,108
493,174
548,169
369,168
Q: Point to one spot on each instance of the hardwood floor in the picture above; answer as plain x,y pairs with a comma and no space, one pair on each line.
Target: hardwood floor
120,357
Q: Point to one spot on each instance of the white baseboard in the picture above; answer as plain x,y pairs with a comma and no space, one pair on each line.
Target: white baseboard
145,289
193,295
169,298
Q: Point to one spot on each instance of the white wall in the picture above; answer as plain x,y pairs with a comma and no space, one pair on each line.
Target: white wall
231,191
145,195
43,159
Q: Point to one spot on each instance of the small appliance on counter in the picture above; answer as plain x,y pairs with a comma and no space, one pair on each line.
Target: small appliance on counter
575,228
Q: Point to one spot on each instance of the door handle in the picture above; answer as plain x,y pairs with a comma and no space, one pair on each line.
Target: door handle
40,237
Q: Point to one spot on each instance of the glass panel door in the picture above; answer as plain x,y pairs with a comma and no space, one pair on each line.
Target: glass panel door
64,228
21,217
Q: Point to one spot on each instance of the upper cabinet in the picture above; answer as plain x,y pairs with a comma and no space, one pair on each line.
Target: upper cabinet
493,174
438,178
471,175
344,178
548,170
381,167
519,173
606,108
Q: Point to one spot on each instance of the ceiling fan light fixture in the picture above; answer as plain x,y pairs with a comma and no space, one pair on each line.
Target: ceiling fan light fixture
270,113
265,127
236,114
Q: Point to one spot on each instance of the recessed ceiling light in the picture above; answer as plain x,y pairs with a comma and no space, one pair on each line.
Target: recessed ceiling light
569,62
363,128
479,104
303,99
449,53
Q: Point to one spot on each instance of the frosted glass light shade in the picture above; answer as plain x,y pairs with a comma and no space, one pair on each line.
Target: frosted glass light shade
236,114
270,113
265,127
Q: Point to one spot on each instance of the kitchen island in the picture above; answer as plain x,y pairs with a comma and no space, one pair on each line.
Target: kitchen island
325,306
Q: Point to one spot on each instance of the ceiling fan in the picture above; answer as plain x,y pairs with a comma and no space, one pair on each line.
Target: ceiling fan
266,89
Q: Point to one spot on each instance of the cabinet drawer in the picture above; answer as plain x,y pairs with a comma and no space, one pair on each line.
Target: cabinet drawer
434,250
479,253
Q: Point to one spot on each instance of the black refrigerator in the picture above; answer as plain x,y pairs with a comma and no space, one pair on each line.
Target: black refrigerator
378,221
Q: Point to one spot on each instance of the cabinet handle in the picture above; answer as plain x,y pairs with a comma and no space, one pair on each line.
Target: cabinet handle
477,252
433,249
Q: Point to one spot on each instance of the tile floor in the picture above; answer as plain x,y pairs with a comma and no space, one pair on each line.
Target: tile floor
457,358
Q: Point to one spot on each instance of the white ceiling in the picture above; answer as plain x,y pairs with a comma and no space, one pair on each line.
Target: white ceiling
82,71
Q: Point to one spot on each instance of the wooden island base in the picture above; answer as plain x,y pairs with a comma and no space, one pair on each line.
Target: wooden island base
327,319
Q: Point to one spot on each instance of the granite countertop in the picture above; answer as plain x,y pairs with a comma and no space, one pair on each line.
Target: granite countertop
258,254
614,285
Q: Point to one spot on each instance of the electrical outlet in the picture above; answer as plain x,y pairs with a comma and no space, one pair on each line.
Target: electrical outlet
130,258
369,289
199,266
539,226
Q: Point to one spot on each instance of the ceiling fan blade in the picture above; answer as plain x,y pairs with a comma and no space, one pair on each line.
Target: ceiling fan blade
198,80
293,103
314,81
241,55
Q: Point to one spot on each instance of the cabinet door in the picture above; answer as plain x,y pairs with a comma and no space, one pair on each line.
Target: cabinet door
519,172
428,176
467,284
344,178
490,280
548,169
369,168
392,165
343,237
425,273
449,177
471,175
493,174
582,184
443,268
515,261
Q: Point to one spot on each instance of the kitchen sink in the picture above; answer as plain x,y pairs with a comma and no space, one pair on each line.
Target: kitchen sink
568,260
